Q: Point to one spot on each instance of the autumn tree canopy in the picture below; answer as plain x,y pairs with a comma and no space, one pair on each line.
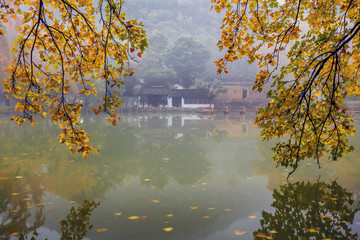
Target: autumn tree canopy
309,51
61,48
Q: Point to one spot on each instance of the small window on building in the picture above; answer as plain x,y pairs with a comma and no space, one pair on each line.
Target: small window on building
244,94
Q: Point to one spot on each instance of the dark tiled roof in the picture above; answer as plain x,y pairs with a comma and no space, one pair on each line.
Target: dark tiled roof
175,92
195,93
186,93
154,91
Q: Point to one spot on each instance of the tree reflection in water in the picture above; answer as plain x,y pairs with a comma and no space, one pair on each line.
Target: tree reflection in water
309,211
76,224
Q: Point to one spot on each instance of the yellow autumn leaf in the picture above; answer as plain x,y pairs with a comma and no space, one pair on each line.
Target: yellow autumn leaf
155,201
252,216
147,179
238,233
206,217
227,209
26,199
193,208
133,217
260,235
168,229
101,229
14,234
312,230
273,231
15,194
170,215
117,214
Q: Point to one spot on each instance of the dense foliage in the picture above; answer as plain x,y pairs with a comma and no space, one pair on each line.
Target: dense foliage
63,45
310,53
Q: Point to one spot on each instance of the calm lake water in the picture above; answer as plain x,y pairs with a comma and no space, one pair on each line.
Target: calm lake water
170,177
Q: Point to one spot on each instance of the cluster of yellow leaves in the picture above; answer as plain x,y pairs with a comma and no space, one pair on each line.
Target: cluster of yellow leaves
62,47
309,52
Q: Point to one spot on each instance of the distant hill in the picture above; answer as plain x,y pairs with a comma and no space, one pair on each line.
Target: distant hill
178,18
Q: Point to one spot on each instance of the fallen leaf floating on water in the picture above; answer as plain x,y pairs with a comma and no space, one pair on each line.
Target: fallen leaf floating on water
155,201
29,206
227,209
334,199
273,231
40,204
252,216
15,194
145,217
193,208
18,177
323,216
260,235
211,208
238,233
147,179
168,229
117,214
133,217
312,230
72,202
14,234
169,215
26,199
101,230
4,178
206,217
